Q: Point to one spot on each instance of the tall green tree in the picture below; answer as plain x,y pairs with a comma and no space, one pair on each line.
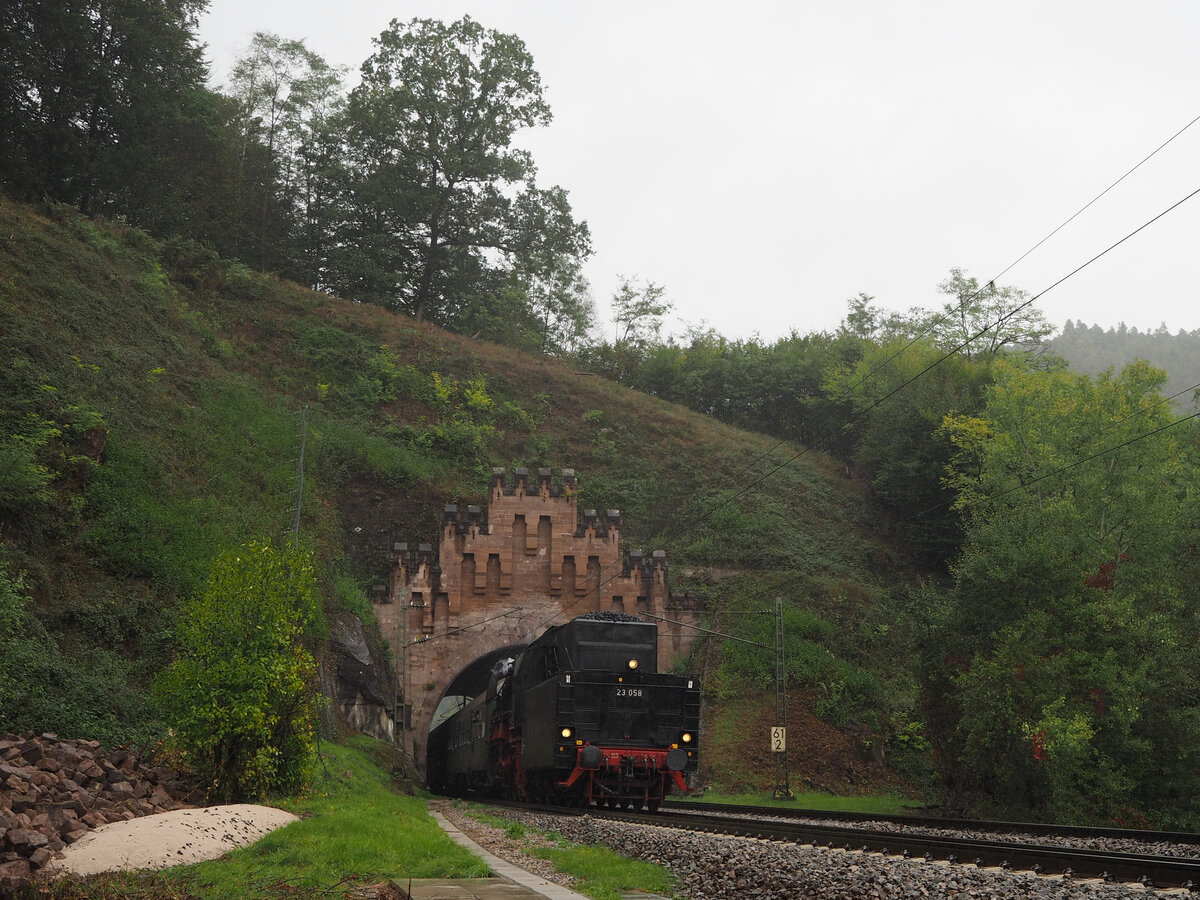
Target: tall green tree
1073,623
436,195
287,95
984,320
638,312
901,392
90,94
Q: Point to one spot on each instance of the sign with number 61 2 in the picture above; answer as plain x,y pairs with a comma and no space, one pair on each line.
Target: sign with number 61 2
779,739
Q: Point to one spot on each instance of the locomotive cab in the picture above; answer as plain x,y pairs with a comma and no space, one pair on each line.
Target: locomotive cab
603,725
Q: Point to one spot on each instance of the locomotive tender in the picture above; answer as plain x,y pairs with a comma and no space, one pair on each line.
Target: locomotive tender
581,716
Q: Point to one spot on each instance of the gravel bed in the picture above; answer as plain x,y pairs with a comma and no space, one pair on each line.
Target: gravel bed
1114,845
710,866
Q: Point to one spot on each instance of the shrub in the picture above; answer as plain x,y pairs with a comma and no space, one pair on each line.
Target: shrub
242,695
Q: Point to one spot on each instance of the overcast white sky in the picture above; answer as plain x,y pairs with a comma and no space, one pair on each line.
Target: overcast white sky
765,161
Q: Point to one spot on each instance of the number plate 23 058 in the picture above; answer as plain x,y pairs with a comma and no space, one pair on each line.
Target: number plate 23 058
628,692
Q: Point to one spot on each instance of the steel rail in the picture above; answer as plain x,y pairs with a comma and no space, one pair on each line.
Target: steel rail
995,827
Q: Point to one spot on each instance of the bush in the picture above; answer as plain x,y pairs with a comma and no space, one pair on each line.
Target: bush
242,694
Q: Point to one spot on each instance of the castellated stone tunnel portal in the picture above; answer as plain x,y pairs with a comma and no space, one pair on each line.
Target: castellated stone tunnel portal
499,578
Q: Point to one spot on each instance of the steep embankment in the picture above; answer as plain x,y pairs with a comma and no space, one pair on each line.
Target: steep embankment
152,413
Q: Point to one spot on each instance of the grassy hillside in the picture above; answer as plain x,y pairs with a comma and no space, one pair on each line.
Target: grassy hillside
151,408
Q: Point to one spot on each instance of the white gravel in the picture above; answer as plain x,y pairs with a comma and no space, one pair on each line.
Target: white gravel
169,839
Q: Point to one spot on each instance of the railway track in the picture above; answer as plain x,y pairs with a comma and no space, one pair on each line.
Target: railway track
1150,870
1064,832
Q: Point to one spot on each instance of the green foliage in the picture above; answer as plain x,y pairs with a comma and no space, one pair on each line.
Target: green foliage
93,694
241,695
844,690
25,493
902,393
986,320
59,76
431,223
354,599
604,874
638,312
357,377
1092,350
139,529
353,828
598,871
341,451
1072,637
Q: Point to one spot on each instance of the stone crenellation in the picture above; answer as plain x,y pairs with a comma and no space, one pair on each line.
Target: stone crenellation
522,483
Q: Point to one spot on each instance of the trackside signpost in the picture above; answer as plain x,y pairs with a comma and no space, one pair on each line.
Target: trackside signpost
779,739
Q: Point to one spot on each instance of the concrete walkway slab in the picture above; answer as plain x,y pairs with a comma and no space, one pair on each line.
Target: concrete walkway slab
464,889
511,883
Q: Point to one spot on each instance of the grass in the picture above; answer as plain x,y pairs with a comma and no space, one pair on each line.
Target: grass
603,874
598,871
354,829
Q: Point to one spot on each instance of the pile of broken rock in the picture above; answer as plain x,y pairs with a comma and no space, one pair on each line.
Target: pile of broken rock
53,792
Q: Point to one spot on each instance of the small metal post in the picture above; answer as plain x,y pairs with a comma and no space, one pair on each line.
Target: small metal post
300,469
783,790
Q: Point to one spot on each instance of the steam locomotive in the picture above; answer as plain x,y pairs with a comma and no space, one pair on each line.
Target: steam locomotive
580,717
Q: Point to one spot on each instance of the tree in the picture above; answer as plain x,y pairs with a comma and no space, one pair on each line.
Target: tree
434,184
983,321
89,94
287,95
1073,616
638,312
560,297
241,693
901,393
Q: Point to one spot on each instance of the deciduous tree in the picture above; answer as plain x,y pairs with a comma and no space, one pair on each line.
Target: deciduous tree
437,195
88,91
1074,618
985,320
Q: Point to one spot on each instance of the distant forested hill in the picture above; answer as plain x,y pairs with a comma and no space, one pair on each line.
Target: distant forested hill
1091,349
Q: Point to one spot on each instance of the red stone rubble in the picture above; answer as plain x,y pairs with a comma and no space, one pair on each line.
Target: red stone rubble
54,792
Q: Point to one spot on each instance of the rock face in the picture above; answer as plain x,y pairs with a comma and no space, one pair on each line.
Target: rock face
53,792
362,686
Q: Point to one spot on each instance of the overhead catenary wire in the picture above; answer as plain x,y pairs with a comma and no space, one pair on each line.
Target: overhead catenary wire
1133,440
880,400
992,281
1084,439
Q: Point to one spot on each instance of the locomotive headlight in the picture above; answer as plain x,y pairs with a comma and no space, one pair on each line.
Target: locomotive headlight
632,664
686,737
566,732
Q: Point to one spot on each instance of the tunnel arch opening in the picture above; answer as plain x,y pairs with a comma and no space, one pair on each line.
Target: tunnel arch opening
470,682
